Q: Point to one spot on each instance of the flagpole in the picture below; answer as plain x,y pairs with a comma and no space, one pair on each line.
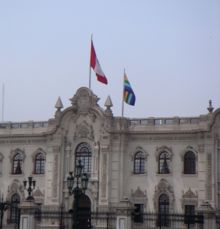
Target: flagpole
122,107
90,64
3,101
121,139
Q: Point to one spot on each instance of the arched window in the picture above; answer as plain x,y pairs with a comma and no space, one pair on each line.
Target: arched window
163,210
139,161
83,153
17,163
164,163
14,210
39,167
189,163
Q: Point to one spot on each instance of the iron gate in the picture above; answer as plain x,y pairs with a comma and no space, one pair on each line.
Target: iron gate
108,220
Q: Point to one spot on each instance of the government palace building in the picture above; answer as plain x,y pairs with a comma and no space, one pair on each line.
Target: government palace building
141,172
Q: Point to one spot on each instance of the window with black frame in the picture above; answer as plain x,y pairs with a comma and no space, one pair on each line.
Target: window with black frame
189,163
164,163
163,215
17,163
189,217
139,163
14,210
39,167
83,153
138,213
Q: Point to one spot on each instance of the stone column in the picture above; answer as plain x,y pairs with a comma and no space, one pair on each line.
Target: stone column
27,218
208,213
67,160
124,215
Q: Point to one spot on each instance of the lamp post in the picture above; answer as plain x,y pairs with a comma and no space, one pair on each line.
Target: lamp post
31,186
3,207
77,186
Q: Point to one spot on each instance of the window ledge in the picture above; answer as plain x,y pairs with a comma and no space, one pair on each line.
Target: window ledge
139,174
17,175
164,174
38,174
190,175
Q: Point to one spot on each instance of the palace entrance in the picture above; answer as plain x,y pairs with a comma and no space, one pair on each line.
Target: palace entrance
84,212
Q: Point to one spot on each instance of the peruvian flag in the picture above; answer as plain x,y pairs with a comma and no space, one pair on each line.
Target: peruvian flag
94,64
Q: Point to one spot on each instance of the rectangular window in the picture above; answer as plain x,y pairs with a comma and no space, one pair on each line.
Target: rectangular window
138,214
189,214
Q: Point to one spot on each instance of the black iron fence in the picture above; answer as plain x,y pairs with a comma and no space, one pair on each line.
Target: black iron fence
217,221
108,220
174,221
65,219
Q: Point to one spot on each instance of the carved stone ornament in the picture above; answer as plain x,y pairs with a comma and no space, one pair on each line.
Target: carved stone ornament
15,187
92,116
93,189
206,207
138,196
190,194
161,149
187,149
15,151
83,100
164,187
201,148
38,196
39,150
189,198
139,149
84,130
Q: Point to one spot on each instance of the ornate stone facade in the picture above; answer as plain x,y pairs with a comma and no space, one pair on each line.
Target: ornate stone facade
114,142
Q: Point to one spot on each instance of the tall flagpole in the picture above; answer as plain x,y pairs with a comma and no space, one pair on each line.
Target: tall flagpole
122,107
3,101
121,139
90,64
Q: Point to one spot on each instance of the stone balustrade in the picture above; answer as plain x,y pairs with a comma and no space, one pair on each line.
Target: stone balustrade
23,125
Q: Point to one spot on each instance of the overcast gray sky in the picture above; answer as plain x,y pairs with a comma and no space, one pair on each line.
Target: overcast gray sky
169,48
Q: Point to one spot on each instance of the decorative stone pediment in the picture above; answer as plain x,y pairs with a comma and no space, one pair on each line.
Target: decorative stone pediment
190,198
83,100
164,186
138,193
189,194
138,196
84,130
38,193
15,187
38,196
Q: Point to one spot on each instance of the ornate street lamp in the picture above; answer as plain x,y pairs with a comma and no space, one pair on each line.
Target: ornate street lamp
77,186
3,207
31,186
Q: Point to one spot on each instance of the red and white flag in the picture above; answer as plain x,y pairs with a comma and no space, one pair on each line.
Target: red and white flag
94,64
